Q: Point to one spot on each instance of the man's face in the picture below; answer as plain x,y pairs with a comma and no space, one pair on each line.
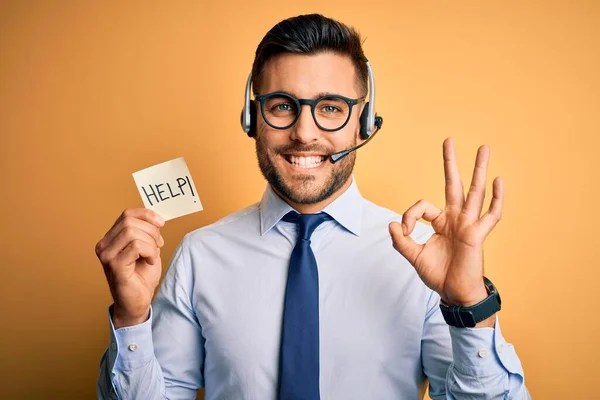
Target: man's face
295,160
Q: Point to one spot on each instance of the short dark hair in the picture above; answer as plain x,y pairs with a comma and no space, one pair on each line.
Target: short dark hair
311,34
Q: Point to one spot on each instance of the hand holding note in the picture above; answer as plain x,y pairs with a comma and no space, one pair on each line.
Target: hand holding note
130,255
130,250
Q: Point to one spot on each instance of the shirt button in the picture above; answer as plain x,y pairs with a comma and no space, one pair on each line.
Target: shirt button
133,347
113,346
500,347
482,353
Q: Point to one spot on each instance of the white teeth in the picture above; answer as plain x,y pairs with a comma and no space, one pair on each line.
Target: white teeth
307,162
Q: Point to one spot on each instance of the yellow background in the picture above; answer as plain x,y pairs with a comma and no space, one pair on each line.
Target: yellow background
91,92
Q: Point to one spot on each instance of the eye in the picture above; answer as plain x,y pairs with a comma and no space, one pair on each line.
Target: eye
283,107
280,106
331,109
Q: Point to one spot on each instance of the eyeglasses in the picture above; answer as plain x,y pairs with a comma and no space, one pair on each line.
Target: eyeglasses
281,110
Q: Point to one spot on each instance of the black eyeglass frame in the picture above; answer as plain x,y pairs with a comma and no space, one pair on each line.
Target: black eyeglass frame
312,103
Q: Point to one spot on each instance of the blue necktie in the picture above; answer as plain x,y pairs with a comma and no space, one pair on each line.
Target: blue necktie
299,362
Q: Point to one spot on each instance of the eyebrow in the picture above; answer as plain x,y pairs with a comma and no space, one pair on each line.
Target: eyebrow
322,94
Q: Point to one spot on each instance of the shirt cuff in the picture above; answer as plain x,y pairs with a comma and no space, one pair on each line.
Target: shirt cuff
130,347
483,351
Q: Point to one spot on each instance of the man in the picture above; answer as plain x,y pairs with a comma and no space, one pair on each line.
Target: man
302,295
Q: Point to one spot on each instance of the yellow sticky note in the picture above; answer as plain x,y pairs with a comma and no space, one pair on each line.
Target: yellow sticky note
168,188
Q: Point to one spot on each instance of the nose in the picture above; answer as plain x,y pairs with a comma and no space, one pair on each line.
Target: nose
305,130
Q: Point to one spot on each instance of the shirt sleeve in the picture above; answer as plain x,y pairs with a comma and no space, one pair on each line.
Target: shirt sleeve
483,359
473,363
161,358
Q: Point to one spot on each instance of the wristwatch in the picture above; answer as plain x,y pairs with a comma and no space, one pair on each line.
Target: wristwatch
468,317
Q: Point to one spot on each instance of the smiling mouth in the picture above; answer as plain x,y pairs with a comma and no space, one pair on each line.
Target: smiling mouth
305,161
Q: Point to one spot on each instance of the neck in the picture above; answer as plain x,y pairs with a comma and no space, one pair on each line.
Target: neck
314,208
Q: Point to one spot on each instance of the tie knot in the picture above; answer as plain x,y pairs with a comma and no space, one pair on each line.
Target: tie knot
307,223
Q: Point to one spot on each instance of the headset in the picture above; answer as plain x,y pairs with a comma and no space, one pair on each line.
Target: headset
370,122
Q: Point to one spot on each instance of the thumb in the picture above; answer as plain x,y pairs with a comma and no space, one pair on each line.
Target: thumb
405,245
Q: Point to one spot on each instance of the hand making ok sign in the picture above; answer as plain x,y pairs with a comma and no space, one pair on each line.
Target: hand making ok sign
451,261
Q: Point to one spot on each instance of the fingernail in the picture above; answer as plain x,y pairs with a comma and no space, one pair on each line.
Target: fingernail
162,241
160,220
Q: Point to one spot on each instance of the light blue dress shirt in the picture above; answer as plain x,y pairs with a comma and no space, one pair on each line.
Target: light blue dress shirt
216,320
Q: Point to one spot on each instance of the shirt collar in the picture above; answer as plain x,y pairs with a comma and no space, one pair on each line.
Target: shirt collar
346,209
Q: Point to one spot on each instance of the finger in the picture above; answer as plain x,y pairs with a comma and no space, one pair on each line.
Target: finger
486,223
405,245
421,209
455,196
474,203
127,223
135,250
144,214
124,239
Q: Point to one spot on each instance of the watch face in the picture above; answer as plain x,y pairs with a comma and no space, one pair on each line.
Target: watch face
459,319
467,319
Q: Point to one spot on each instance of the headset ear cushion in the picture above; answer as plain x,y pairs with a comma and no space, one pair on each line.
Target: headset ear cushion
364,116
253,119
252,131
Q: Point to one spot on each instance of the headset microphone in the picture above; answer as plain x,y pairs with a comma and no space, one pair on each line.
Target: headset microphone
335,157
